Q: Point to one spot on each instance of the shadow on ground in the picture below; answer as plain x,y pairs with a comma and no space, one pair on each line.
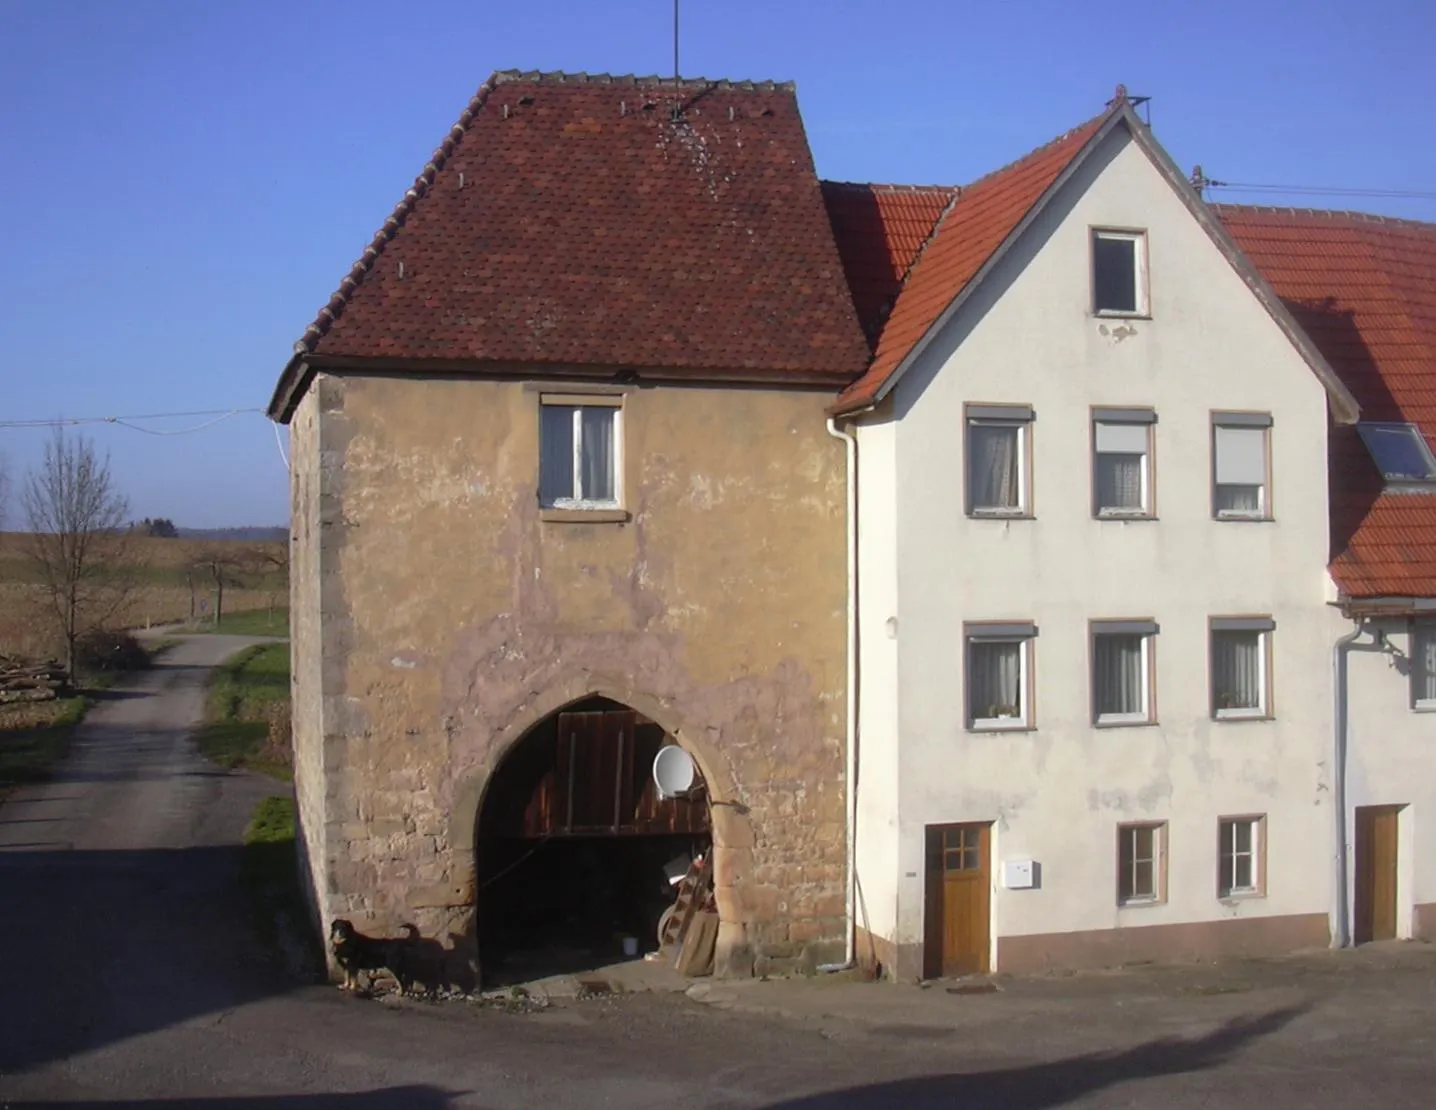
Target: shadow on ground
1060,1083
107,945
413,1098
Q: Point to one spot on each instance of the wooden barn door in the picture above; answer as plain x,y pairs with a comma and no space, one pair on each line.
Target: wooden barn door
958,909
1376,873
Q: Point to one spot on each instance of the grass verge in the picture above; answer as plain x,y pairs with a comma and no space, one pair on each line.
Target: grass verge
269,873
34,737
250,622
245,696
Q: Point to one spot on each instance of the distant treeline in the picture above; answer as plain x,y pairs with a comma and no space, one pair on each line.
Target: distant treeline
249,534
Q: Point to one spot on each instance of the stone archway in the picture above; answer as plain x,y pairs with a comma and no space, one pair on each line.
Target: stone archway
728,821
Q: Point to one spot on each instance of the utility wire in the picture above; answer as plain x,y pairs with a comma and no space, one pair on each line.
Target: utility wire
129,421
1201,181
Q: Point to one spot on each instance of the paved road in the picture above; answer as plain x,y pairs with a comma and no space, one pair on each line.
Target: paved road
128,977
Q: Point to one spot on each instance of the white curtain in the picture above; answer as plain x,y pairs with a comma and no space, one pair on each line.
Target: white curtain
1119,481
1240,468
1424,652
1238,499
596,464
1236,670
1120,680
993,466
995,680
555,453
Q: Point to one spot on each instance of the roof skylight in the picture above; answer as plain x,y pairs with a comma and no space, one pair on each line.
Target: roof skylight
1400,451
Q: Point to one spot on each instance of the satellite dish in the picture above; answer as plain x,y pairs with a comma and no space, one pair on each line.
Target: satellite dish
673,771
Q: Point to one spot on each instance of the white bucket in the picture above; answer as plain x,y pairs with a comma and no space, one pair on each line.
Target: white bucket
630,946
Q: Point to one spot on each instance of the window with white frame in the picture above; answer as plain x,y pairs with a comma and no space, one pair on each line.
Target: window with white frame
1122,462
999,675
1240,465
1141,863
1119,272
1122,671
1240,866
998,459
1241,666
1423,664
579,452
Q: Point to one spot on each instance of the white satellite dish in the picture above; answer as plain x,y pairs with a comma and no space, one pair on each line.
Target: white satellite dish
673,771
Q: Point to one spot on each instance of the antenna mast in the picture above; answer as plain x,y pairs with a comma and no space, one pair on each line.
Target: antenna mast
675,41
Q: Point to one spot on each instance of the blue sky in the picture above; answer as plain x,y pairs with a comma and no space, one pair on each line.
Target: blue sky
185,182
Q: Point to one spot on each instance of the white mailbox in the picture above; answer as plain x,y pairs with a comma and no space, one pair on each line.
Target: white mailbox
1017,874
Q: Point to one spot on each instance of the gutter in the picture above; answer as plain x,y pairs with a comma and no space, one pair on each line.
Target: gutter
850,902
1340,653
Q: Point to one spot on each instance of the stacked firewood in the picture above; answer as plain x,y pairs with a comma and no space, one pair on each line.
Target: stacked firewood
21,680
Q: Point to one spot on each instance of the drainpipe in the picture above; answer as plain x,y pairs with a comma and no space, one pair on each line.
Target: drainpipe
850,951
1340,930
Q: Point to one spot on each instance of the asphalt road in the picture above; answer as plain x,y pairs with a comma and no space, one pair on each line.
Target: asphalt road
129,977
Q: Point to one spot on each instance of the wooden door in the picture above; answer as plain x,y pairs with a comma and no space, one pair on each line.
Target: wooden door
1376,873
959,879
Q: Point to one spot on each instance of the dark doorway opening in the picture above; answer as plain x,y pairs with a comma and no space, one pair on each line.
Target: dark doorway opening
573,842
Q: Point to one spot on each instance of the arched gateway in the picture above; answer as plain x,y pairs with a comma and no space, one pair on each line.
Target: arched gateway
574,846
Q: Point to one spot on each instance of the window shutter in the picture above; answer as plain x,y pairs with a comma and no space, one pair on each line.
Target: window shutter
1122,439
1241,456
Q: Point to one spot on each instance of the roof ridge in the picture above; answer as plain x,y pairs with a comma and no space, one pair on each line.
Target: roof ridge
1047,146
896,187
581,77
326,316
1327,213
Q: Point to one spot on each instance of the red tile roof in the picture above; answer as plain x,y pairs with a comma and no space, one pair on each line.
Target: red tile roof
880,229
984,216
571,220
1364,289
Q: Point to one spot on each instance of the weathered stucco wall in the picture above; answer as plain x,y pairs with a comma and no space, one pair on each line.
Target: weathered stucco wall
454,618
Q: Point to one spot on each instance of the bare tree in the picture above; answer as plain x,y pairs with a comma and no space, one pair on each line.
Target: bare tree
77,538
222,567
4,490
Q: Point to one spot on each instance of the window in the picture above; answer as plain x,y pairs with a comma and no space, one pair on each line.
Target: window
1122,462
999,669
1239,466
1122,672
998,456
1400,452
1240,869
1119,273
579,453
1241,666
1141,863
1423,664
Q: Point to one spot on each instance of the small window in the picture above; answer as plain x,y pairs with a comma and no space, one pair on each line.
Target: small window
1241,666
1122,672
1400,452
1240,466
999,669
1240,869
998,454
1141,864
1423,664
1119,273
579,455
1122,462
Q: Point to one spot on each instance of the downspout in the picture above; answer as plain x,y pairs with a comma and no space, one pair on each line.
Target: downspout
1340,929
850,950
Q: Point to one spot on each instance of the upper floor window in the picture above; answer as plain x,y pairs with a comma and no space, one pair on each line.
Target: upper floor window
1122,462
1423,664
1400,452
999,452
1119,273
1241,666
1241,465
999,669
1122,670
579,452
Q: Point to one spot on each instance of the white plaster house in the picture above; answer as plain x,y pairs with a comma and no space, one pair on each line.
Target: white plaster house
1364,290
1095,620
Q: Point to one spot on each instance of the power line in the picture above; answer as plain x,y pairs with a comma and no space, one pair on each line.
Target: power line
215,415
1201,181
